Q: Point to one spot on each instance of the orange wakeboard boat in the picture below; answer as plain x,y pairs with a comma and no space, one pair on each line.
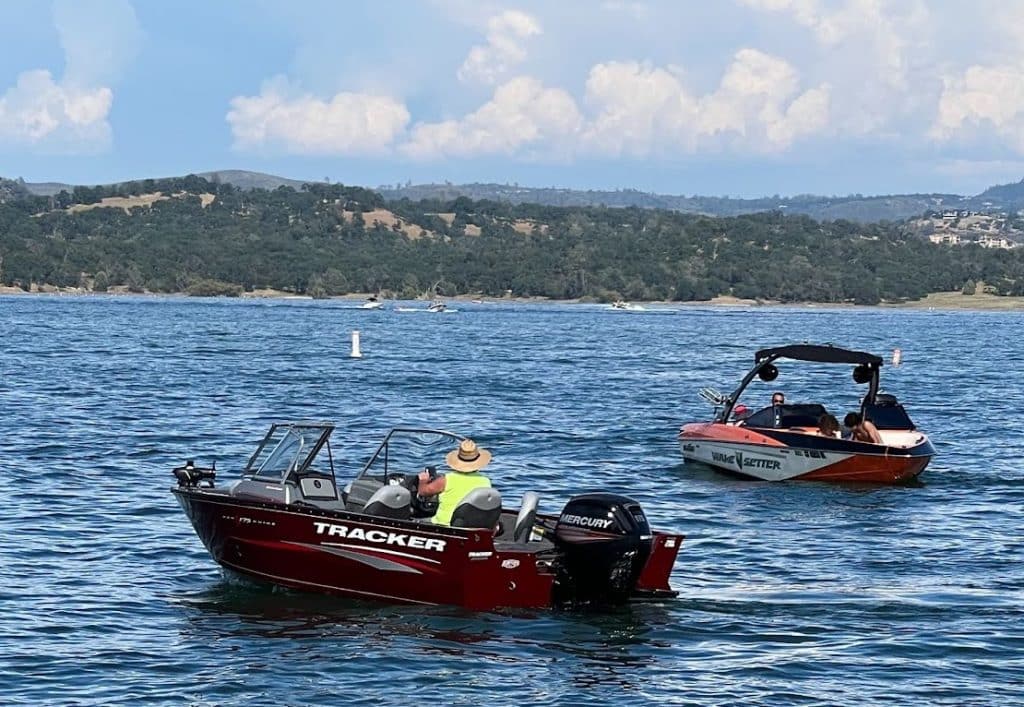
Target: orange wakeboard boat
782,442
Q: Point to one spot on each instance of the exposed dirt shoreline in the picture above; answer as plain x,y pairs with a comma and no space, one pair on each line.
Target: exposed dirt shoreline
936,300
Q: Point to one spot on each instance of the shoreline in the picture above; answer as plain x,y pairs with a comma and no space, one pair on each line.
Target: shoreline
954,301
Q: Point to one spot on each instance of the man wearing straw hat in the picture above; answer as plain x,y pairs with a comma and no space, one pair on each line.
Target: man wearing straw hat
466,462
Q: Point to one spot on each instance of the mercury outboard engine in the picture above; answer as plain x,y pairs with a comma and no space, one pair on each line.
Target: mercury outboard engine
605,542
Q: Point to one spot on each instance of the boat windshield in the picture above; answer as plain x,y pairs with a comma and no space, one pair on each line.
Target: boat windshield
408,451
287,449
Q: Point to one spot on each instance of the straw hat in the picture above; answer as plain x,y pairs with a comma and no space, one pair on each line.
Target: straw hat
468,457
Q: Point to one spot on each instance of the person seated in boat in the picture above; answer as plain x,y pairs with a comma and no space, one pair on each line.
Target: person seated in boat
861,430
828,425
465,462
740,412
778,400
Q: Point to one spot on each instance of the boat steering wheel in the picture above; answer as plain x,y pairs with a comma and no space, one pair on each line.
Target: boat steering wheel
422,507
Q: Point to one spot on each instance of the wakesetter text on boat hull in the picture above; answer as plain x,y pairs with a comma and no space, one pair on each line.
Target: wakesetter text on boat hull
285,522
782,442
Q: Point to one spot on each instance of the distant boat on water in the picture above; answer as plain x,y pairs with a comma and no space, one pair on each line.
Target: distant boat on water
623,306
435,307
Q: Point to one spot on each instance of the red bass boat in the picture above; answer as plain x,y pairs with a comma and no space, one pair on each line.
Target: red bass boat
782,442
285,521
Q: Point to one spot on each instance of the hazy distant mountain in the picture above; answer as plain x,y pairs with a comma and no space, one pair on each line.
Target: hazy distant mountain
854,207
828,208
1008,197
252,180
47,188
237,177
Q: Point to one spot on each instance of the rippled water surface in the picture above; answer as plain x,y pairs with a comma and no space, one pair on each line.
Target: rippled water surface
791,593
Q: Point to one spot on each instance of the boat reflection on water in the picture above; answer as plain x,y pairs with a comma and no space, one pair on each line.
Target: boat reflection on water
591,647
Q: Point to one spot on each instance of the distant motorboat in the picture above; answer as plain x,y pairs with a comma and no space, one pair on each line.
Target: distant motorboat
435,307
621,306
372,303
628,306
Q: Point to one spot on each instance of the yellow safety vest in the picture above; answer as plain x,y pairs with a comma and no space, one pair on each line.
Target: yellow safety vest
456,486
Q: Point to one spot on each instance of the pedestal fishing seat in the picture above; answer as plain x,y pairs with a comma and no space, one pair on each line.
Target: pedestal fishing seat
481,508
392,501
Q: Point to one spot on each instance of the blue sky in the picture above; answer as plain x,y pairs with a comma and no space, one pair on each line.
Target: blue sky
733,97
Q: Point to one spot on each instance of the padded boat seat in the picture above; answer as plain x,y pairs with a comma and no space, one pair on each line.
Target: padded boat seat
392,501
481,508
359,492
786,416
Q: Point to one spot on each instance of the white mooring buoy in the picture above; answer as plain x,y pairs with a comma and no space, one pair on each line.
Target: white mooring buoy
356,353
897,357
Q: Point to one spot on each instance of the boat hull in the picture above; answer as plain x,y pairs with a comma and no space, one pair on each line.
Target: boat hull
780,455
355,555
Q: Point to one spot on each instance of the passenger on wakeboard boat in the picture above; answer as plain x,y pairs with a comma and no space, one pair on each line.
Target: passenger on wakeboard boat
828,426
860,429
465,463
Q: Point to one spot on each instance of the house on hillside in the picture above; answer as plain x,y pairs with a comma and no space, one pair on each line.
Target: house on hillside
995,242
945,238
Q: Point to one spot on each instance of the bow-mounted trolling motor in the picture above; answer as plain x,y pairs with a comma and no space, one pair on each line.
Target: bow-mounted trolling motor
191,475
606,541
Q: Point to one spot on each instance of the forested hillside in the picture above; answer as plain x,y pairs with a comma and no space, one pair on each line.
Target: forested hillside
193,235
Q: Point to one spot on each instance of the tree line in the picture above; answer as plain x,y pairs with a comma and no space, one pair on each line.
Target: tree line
319,241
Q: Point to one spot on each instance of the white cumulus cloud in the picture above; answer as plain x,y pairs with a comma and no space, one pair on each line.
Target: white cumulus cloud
985,101
40,112
70,115
505,48
643,110
983,97
281,119
873,53
523,115
636,110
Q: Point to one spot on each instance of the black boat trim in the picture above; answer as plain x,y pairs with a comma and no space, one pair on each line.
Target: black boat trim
793,441
798,440
818,354
815,353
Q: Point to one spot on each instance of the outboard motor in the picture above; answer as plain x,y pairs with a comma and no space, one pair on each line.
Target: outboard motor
605,541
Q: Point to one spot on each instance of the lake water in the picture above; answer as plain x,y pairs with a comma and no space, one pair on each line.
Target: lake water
792,593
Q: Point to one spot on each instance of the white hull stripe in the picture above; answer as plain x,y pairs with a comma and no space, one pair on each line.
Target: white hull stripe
760,461
397,553
287,581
